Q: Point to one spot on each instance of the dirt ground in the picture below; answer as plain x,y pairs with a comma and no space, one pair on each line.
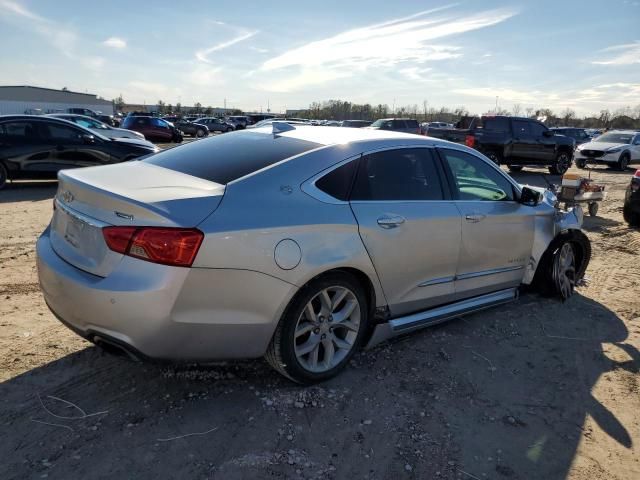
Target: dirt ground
536,389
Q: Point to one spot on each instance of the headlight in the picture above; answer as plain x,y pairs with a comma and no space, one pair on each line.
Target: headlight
614,150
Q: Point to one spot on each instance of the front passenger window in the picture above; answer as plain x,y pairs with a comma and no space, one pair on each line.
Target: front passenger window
475,179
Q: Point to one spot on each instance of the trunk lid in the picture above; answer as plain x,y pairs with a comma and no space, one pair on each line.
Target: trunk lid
132,193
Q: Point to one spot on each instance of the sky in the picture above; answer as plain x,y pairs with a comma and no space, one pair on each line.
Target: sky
583,55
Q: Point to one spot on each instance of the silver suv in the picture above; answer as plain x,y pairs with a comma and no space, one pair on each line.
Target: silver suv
297,243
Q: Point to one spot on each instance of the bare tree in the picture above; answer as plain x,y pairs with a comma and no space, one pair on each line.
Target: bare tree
516,109
568,115
529,112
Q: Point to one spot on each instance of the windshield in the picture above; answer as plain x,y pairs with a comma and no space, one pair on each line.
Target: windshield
89,123
378,123
615,138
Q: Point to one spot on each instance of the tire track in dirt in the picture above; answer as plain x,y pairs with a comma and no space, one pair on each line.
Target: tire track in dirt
19,288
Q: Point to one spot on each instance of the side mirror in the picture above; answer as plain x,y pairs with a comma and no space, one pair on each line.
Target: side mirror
548,133
87,139
530,197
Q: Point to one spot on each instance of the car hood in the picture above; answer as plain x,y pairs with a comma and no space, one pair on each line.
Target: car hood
601,145
135,142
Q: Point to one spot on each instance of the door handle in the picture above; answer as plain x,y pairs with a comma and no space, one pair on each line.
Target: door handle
390,221
475,217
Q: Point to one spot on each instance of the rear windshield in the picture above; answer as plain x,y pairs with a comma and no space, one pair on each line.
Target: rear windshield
225,158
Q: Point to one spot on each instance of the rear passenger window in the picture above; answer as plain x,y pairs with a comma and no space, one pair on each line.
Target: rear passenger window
500,125
338,182
412,123
402,174
399,124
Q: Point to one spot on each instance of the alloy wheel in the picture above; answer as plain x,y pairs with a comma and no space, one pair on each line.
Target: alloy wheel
327,329
564,270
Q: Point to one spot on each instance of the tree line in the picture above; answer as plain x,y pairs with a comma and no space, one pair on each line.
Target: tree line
626,117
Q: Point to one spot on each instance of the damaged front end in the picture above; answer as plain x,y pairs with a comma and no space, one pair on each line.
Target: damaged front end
561,251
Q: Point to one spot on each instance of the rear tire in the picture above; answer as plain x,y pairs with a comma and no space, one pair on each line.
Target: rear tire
495,157
515,168
561,164
328,316
4,176
581,164
200,133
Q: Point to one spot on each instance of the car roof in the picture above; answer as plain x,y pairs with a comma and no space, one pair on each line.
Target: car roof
338,135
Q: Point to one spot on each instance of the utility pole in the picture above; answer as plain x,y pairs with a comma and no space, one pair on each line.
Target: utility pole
225,106
425,104
496,110
394,107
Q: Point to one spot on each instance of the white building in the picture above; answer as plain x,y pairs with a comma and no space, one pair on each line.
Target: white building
26,99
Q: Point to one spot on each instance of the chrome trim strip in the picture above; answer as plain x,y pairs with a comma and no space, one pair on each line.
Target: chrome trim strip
441,314
79,216
437,281
484,273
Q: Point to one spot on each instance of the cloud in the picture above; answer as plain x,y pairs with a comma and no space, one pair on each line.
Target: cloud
258,49
407,39
64,40
203,54
627,54
115,42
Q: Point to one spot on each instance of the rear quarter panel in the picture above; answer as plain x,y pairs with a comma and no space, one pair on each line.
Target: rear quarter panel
261,210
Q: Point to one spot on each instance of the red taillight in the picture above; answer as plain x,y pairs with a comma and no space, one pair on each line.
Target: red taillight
168,246
470,141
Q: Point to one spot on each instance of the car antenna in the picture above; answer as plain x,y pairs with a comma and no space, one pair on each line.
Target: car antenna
281,127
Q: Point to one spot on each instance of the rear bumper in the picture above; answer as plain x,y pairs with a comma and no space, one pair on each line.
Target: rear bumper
166,313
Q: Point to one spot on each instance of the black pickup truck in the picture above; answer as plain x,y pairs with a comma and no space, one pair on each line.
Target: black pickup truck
513,141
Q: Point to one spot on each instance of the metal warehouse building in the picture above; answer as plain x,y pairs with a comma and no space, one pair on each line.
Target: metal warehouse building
26,99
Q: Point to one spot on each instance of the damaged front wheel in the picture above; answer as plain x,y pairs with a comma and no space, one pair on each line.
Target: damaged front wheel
563,265
564,270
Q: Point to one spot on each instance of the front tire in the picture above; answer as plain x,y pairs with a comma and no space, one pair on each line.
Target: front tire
515,168
495,157
623,163
563,264
561,165
320,330
581,164
200,133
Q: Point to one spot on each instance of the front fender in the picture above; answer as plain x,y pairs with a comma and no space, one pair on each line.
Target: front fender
548,227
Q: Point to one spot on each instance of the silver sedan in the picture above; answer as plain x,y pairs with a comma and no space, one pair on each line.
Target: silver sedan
296,243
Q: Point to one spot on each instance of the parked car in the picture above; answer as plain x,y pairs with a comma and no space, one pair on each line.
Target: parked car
83,111
98,126
616,148
239,121
631,207
216,124
405,125
153,128
300,244
431,125
269,121
513,141
580,135
108,119
258,117
355,123
40,146
191,128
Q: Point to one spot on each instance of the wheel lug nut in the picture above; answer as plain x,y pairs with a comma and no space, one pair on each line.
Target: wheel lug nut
323,336
316,330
